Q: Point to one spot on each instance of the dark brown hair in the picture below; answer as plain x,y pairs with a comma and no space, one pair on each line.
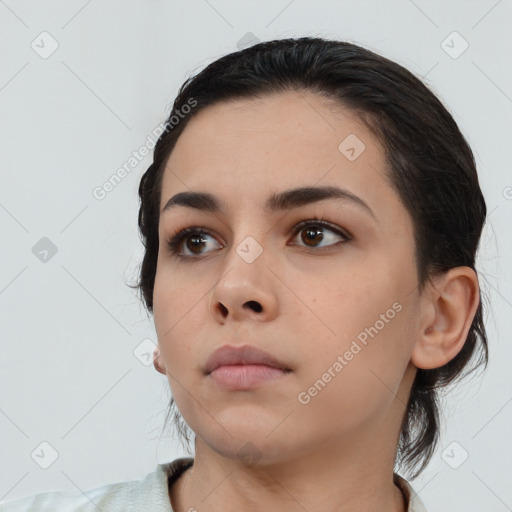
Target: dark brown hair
431,166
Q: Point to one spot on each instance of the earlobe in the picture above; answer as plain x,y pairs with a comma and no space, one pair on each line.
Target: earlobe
156,363
448,308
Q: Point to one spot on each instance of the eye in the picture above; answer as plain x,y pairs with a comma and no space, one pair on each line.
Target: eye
195,239
313,230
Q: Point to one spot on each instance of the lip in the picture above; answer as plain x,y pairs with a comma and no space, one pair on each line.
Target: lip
243,355
245,376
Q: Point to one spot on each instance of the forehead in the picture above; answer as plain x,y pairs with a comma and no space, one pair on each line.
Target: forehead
248,147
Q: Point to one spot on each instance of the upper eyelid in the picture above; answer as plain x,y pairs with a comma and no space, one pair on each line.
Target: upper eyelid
324,224
297,226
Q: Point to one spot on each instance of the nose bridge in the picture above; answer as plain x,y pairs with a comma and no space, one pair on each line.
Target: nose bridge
249,236
245,263
250,239
244,285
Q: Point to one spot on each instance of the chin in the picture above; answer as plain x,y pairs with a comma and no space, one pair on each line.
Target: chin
251,446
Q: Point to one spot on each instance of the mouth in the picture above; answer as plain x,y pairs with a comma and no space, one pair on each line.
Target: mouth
244,367
245,376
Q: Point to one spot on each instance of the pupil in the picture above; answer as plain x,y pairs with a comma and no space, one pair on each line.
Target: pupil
311,234
198,240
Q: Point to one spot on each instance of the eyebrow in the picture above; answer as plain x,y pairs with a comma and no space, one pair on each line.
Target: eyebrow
285,200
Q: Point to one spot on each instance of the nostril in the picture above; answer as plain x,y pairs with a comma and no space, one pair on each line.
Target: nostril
254,305
223,309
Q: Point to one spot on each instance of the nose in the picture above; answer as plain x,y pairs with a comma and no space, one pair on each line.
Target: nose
245,291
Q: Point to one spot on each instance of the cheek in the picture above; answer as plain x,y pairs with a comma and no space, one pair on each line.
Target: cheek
342,307
176,310
364,325
351,380
175,293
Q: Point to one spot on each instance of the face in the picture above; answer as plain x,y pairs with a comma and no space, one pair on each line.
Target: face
336,303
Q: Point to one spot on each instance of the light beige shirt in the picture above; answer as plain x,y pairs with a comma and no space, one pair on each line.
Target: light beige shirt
150,494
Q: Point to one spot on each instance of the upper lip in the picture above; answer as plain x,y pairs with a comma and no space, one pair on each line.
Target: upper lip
246,354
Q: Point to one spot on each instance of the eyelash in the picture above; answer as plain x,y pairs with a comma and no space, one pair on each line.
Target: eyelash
175,242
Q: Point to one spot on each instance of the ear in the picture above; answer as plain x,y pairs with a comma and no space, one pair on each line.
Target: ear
156,362
448,306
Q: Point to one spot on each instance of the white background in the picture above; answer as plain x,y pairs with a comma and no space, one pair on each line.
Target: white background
69,121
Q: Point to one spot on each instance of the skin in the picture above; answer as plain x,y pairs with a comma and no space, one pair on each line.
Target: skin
337,451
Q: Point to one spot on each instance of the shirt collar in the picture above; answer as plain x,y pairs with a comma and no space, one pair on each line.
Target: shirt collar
173,470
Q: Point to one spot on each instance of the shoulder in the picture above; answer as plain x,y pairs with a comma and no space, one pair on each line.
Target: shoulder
149,493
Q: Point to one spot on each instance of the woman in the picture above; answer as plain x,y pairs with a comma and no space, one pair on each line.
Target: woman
310,222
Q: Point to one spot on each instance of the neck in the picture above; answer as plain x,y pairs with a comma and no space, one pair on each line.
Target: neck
323,480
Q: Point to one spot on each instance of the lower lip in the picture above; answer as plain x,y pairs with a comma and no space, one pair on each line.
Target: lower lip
245,376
